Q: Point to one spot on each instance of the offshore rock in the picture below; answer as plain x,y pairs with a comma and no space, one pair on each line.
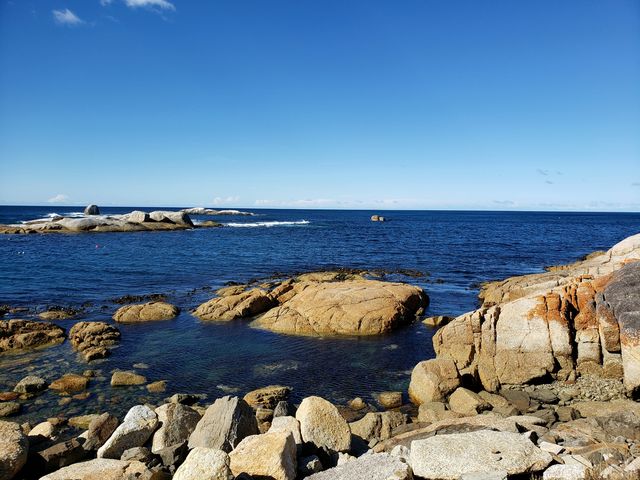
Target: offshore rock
91,339
231,307
344,307
146,312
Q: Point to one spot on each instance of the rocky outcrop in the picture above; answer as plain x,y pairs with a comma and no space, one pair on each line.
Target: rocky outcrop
270,455
92,339
23,334
448,457
224,425
344,307
14,448
136,221
582,319
240,305
146,312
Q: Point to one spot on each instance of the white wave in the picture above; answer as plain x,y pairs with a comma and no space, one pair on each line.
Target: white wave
75,214
268,224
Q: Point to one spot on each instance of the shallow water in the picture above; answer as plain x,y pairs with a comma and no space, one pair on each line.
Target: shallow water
454,250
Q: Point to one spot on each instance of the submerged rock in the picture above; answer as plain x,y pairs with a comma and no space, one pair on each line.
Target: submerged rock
70,383
25,334
146,312
123,379
30,384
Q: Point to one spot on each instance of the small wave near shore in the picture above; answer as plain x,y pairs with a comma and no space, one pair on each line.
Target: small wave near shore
291,223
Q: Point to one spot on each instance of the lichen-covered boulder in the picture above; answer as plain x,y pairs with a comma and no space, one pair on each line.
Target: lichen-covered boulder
14,448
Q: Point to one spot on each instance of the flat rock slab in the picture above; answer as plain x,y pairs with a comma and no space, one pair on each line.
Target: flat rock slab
101,469
379,466
448,457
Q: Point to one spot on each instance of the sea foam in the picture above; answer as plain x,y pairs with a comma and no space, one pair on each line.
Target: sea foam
269,224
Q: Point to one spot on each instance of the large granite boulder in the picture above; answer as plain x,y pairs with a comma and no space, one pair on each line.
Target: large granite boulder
377,426
270,455
322,425
432,380
205,464
92,339
380,466
556,325
177,423
25,334
14,448
448,457
350,307
146,312
245,304
137,427
102,469
224,425
92,210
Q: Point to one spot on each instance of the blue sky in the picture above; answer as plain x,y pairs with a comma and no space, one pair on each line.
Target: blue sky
321,104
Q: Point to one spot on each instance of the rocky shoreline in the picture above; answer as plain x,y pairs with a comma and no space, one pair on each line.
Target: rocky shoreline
542,380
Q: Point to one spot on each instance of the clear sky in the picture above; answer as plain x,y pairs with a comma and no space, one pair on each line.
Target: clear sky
321,104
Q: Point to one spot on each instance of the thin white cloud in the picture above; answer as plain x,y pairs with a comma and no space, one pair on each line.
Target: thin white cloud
59,198
66,17
161,4
104,3
225,200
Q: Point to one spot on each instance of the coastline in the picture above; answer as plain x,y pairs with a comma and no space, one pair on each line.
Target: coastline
557,404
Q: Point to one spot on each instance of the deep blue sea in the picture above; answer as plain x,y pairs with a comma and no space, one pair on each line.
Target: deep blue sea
455,251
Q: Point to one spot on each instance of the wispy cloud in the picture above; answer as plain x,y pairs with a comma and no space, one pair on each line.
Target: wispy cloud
161,4
66,17
505,203
225,200
548,182
542,172
104,3
59,198
635,184
307,202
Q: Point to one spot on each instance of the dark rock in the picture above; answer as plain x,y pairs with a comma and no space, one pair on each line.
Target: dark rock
518,399
92,210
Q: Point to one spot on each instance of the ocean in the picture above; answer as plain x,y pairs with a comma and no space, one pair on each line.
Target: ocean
448,253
